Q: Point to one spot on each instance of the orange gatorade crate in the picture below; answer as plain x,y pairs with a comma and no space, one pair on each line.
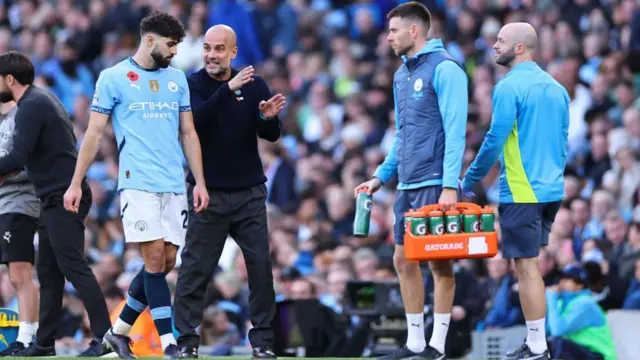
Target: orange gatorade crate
448,246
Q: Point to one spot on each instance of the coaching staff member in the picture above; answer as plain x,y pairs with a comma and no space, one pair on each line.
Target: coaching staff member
230,108
529,127
45,144
430,95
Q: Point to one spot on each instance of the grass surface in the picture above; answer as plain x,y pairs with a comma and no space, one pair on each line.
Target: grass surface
201,357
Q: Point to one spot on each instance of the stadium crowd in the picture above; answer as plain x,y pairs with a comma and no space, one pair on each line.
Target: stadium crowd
332,61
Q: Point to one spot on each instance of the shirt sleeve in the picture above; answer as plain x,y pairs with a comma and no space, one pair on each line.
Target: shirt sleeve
389,167
106,94
451,85
185,98
29,122
505,111
268,129
203,108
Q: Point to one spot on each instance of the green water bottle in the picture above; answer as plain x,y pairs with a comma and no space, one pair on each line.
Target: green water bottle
419,223
452,220
408,216
436,222
363,213
487,220
470,221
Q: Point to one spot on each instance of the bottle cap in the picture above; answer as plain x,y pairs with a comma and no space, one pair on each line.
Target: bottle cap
487,210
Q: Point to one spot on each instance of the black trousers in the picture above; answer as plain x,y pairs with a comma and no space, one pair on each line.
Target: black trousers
568,350
243,215
61,255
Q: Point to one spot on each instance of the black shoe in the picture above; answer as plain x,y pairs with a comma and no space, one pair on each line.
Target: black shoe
119,343
263,352
523,352
12,349
171,352
96,349
430,353
189,352
36,350
400,353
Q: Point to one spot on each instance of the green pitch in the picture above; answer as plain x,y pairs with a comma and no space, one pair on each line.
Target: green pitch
203,357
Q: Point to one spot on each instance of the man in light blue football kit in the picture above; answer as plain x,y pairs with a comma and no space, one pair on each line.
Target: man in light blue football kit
148,102
431,102
529,132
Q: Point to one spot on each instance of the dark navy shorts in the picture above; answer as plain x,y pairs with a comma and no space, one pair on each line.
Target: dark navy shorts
411,199
525,228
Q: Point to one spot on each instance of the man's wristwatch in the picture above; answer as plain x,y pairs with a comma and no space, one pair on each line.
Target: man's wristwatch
264,117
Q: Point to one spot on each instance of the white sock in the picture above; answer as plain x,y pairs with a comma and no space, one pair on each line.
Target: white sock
121,327
26,332
536,336
166,340
415,337
440,329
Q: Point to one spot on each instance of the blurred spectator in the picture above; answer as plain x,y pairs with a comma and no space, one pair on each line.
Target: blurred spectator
577,325
68,77
504,310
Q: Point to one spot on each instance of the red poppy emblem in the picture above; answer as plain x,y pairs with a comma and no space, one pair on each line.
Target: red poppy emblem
132,76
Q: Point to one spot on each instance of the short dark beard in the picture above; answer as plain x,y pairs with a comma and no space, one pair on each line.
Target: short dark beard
506,58
6,96
403,52
159,60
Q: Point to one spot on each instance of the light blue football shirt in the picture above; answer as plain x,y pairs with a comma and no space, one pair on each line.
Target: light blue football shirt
144,106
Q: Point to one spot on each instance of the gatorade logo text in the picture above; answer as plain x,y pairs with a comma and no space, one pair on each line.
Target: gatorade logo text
421,229
452,227
439,230
367,205
475,227
443,247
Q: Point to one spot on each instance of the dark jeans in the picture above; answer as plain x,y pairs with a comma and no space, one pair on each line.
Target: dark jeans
241,214
568,350
60,256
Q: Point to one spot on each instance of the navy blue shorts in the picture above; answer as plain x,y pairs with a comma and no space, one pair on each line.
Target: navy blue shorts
411,199
525,228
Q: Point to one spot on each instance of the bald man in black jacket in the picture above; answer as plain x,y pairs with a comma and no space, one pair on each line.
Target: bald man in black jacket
231,109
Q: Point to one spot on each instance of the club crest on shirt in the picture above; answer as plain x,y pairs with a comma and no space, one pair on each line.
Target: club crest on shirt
417,86
173,87
154,86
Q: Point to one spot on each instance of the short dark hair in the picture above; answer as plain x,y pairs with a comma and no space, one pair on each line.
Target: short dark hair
164,25
413,11
18,65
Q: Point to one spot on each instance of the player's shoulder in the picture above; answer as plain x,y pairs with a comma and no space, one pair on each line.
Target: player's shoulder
119,70
506,84
175,73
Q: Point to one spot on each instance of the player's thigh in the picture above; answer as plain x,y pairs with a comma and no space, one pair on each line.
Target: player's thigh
141,216
424,196
16,242
401,206
175,218
521,230
548,216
